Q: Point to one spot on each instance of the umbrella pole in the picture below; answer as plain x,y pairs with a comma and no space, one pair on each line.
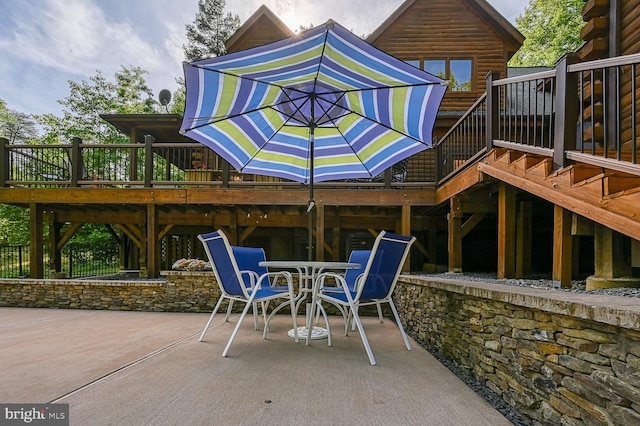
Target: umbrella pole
311,204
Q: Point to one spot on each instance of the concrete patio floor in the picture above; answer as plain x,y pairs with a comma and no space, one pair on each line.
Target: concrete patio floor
143,368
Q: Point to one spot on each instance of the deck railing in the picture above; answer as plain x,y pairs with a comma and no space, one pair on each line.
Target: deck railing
465,141
151,164
584,112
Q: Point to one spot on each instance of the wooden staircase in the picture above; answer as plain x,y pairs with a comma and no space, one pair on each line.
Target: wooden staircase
608,197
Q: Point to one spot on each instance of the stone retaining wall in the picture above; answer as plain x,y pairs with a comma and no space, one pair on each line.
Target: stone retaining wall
181,292
557,357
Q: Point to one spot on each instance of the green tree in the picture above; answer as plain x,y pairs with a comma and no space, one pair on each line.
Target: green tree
16,126
178,98
127,94
14,225
209,31
552,28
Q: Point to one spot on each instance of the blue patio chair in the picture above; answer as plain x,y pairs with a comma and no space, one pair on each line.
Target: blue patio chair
245,288
248,260
373,287
351,278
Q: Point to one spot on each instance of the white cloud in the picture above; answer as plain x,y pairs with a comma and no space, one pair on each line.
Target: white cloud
44,44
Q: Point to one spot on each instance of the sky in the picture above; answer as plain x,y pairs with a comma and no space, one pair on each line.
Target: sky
47,43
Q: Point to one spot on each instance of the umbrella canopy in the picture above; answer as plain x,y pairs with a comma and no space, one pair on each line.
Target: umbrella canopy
323,105
261,109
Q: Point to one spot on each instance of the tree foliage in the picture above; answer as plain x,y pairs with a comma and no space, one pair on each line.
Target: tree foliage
552,28
127,94
14,225
16,126
209,31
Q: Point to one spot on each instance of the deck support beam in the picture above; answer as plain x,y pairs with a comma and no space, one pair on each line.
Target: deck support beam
524,240
55,258
454,219
506,231
153,250
562,247
35,240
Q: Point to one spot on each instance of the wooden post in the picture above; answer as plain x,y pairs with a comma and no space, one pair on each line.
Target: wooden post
225,173
148,160
388,175
319,232
506,231
524,240
77,164
562,247
143,249
153,249
55,258
493,109
454,219
336,239
123,261
565,126
4,162
35,241
612,253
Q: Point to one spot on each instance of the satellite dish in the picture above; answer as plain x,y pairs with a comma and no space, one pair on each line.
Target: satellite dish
164,96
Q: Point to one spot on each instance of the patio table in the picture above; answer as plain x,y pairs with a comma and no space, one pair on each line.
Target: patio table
309,271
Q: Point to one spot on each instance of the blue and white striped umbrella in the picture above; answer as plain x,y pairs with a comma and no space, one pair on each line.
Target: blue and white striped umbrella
320,106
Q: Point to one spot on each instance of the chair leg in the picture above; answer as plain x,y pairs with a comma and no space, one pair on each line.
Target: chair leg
226,318
326,321
213,314
363,336
295,321
237,327
379,306
395,314
255,315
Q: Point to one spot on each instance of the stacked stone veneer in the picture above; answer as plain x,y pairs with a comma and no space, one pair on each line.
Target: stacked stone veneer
559,358
181,292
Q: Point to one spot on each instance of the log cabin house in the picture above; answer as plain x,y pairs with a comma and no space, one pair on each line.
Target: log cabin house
535,173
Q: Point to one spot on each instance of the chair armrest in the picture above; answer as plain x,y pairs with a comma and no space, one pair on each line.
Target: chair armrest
279,274
253,278
339,280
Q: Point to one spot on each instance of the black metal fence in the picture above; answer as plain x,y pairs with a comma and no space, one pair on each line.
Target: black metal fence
14,261
78,260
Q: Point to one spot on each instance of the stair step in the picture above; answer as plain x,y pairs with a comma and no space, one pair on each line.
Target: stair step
620,184
501,155
543,168
581,172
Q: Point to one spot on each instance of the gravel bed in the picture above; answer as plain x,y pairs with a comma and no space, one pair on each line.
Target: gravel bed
544,282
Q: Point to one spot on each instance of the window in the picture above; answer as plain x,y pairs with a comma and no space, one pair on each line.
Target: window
458,71
460,75
437,67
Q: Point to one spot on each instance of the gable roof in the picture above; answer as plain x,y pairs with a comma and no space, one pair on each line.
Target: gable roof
499,23
263,16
